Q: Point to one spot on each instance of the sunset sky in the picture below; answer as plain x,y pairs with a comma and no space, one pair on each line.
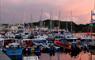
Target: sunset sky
19,11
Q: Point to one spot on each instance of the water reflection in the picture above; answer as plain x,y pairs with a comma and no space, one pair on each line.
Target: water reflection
63,56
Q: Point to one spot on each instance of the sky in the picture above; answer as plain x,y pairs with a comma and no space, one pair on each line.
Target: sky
20,11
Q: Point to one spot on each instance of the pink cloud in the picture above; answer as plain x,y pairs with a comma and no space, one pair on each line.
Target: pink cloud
79,8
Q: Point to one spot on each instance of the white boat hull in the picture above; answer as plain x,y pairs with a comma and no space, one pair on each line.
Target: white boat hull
30,58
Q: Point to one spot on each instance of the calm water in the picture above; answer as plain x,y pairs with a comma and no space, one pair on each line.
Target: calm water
63,56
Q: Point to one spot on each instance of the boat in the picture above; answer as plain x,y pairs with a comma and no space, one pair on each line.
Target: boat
40,39
14,51
64,40
1,41
30,58
85,41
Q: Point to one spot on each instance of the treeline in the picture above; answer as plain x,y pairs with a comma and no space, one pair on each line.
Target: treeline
55,24
62,25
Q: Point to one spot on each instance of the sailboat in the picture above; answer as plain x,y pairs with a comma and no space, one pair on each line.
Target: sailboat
65,40
92,43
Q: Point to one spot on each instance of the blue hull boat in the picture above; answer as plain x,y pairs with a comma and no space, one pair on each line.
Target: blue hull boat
15,53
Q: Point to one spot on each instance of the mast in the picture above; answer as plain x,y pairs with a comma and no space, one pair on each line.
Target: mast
67,26
59,20
23,20
31,18
92,19
50,21
71,22
91,22
41,22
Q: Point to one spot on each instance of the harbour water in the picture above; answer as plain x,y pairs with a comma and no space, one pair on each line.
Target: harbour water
63,56
58,56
